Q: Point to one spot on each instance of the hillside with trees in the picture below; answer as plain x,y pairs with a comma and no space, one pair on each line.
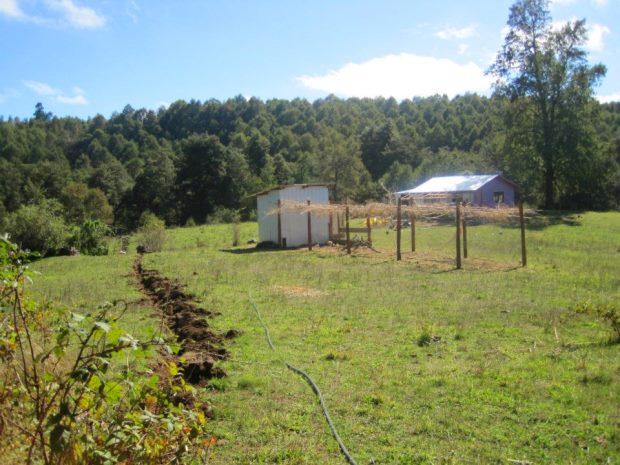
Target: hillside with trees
193,158
201,161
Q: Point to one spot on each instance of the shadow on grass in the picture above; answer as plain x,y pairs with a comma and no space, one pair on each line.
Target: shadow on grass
247,250
548,218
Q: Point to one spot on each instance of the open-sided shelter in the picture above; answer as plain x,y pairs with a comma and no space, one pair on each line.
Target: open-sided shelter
486,190
290,228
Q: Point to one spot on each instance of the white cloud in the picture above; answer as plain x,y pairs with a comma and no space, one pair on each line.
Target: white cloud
462,49
596,34
77,99
401,76
454,33
40,88
615,97
600,3
132,9
10,8
78,16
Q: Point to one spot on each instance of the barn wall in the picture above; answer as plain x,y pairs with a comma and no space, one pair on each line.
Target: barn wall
267,224
295,225
497,185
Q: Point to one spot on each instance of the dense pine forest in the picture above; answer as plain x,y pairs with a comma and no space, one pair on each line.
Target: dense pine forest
202,161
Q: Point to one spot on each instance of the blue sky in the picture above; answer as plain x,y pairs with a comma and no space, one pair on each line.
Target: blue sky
83,57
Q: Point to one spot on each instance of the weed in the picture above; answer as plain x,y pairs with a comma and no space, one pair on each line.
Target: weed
334,355
607,312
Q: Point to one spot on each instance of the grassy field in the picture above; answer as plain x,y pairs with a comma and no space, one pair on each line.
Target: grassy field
419,363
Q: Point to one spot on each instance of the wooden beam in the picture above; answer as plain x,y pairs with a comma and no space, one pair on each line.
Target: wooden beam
279,224
458,235
309,227
398,227
368,230
346,211
412,224
464,225
522,223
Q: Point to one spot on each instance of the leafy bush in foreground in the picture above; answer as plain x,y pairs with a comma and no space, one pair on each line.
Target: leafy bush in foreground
63,399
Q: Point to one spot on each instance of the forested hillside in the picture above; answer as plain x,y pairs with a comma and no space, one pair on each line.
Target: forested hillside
195,159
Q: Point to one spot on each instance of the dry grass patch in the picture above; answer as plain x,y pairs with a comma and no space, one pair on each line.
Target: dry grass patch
297,291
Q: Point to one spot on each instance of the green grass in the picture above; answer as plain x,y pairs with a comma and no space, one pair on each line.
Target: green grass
419,363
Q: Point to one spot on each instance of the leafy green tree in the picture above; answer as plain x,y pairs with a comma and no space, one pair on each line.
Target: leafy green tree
154,187
548,68
209,175
339,163
398,177
40,114
82,203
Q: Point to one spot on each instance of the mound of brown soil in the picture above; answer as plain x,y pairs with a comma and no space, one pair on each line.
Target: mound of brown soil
201,348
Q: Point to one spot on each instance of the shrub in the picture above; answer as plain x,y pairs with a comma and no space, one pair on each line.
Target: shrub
90,238
152,232
607,312
39,228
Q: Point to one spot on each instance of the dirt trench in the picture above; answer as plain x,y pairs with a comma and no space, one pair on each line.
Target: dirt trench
201,348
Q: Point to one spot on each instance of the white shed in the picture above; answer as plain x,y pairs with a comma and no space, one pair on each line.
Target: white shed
293,225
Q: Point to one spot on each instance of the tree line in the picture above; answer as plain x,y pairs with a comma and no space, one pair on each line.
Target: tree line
197,161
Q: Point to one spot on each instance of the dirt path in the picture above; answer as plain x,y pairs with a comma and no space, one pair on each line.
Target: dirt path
201,348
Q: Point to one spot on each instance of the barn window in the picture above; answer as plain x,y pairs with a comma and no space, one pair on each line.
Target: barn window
498,197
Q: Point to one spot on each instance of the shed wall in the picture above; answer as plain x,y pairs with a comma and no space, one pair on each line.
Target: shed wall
267,224
497,185
295,225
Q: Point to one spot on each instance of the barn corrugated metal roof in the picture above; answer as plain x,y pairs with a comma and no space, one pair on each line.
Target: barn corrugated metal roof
451,184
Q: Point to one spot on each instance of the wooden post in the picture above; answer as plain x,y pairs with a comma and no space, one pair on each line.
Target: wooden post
412,224
330,226
309,227
464,225
279,224
398,224
338,225
368,229
458,235
347,228
522,222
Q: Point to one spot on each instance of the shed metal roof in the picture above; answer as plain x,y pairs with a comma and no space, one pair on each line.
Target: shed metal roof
286,186
468,183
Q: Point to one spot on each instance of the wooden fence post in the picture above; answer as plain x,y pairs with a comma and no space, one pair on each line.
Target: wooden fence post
412,224
368,229
522,222
330,226
279,224
309,227
346,210
398,225
458,235
464,225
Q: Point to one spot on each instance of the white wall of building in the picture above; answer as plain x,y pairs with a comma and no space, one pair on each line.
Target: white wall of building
294,225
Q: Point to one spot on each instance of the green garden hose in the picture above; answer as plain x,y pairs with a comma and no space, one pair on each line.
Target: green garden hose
314,387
